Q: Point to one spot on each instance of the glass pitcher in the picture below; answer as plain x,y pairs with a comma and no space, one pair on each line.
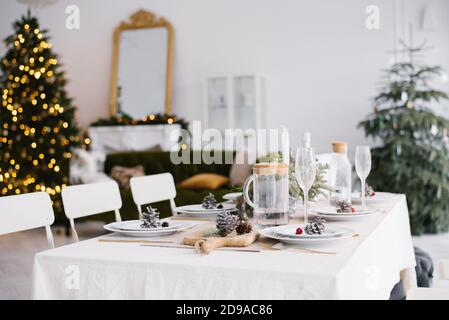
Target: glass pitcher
270,199
340,172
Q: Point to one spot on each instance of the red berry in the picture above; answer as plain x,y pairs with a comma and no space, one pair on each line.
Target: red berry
299,231
352,209
373,194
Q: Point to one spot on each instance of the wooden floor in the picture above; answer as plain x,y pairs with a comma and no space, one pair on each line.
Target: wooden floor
17,252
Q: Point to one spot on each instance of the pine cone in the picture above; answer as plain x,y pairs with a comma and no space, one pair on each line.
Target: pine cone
226,223
209,202
344,206
244,227
317,226
369,191
150,218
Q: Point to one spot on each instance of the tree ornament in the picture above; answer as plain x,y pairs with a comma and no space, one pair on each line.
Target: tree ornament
226,223
150,218
343,206
209,202
316,226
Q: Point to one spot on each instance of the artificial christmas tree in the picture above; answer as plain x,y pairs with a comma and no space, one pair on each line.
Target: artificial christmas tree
414,154
37,127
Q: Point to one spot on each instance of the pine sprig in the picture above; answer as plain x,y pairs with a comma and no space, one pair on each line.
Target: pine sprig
319,187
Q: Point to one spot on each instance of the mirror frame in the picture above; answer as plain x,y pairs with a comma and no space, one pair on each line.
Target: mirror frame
142,19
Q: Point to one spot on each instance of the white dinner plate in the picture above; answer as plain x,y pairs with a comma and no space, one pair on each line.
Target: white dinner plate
377,198
233,196
197,208
269,233
135,225
145,233
334,217
290,231
331,210
206,215
344,216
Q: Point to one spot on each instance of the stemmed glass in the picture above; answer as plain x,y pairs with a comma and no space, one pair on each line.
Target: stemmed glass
305,172
363,167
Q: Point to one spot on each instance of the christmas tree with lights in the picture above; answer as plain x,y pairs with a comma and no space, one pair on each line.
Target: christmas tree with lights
37,126
413,157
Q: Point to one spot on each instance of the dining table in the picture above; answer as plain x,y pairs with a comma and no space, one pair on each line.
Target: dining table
366,265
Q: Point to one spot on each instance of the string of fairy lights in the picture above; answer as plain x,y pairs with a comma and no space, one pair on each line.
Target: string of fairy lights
32,144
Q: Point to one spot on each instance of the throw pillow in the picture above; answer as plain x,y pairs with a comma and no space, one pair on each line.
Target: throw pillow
124,174
241,169
209,181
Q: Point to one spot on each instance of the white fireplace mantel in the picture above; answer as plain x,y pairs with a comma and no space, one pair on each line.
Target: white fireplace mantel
110,139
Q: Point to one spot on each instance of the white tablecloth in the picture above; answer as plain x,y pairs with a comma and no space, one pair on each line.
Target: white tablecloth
365,267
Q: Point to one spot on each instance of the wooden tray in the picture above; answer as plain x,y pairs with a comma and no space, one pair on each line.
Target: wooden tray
205,245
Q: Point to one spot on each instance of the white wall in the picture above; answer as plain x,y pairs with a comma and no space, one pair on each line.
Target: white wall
322,64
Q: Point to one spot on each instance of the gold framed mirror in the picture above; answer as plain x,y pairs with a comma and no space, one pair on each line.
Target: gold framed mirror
142,66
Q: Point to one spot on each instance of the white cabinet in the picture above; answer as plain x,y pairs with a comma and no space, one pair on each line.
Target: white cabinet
234,102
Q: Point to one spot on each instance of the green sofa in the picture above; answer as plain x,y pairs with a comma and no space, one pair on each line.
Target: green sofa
158,162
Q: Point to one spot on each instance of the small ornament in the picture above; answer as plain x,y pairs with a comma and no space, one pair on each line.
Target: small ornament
343,206
317,226
209,202
150,218
244,227
165,224
298,231
369,191
226,223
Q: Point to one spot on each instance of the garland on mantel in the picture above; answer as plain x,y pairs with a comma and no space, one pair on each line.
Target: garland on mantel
123,119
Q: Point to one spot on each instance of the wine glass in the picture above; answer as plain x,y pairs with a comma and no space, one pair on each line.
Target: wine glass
305,172
363,167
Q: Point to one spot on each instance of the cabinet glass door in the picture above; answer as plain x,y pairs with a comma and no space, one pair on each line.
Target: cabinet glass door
245,102
217,103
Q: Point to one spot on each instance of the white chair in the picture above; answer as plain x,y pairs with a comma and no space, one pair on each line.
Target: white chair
432,293
25,212
153,188
89,199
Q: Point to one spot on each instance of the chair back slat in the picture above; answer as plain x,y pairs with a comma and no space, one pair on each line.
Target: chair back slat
153,188
25,212
89,199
